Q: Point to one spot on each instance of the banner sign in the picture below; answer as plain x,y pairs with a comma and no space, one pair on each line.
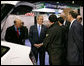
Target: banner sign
40,5
54,6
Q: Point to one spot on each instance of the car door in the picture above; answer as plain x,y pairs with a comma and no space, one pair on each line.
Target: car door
19,8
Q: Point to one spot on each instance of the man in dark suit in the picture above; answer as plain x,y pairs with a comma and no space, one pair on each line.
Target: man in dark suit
53,42
36,35
66,24
25,29
14,33
64,30
75,41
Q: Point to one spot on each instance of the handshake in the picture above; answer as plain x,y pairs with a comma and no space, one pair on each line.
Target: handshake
38,45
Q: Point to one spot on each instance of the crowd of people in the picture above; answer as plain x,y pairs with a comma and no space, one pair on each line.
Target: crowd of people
63,40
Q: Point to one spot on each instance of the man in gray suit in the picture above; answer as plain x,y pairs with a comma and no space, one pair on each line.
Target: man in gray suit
75,41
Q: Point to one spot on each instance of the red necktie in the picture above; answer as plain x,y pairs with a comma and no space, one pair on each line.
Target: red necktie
17,32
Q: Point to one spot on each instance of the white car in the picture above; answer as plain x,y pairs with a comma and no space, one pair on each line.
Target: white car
11,53
14,54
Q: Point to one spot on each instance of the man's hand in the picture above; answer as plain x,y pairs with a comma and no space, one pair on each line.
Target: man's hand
38,45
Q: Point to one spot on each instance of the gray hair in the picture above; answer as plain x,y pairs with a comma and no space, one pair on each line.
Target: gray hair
38,16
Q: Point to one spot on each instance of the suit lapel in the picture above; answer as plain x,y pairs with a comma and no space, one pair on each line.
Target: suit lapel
71,28
73,23
20,32
36,30
66,23
15,31
42,29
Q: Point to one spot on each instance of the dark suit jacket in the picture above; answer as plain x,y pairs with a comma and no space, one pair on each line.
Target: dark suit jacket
25,30
53,44
33,34
67,24
53,37
75,43
64,39
64,30
11,35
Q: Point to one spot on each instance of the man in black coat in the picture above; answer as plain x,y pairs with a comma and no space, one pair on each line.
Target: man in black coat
66,23
25,29
14,34
53,42
37,34
64,31
75,41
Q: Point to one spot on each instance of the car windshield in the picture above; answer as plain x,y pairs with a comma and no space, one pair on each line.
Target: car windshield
21,10
5,9
4,50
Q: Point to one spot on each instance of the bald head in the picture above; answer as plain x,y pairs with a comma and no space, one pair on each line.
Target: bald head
17,19
76,11
18,23
79,18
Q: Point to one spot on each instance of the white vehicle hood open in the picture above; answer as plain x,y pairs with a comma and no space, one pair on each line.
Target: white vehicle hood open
17,55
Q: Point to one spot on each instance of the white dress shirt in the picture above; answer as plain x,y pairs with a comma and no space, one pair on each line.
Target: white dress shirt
64,22
71,23
38,25
39,29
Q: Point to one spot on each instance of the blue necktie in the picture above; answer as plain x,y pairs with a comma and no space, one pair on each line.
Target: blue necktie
39,30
